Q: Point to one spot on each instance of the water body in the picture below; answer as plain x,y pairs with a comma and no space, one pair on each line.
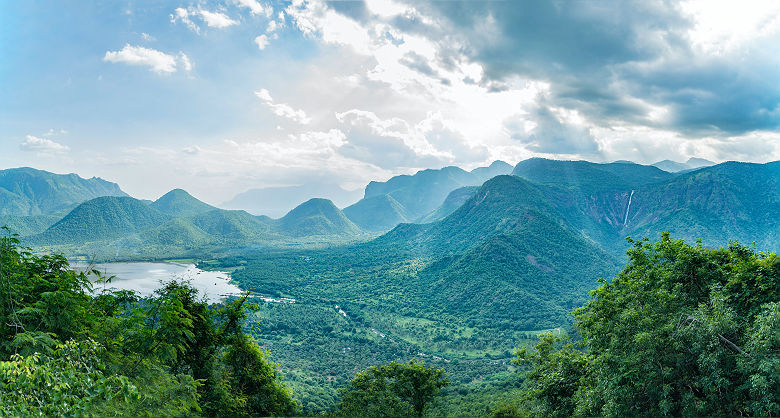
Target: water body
145,278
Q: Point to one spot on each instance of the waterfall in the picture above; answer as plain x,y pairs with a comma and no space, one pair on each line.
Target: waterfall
625,220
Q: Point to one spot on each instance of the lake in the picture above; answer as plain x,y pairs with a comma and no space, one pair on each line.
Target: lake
145,278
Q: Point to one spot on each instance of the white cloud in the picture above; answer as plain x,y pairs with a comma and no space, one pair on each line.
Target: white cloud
185,61
158,62
256,8
146,37
42,145
281,109
217,20
262,41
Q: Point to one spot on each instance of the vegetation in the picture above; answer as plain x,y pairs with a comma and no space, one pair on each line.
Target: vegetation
29,192
682,330
71,351
392,390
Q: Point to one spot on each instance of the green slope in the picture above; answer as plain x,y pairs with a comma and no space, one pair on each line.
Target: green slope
27,191
729,201
101,219
178,203
232,224
316,217
377,213
28,225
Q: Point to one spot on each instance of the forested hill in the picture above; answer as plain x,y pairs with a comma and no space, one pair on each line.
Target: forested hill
27,191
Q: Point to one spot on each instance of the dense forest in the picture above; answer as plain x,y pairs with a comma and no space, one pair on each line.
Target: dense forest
681,330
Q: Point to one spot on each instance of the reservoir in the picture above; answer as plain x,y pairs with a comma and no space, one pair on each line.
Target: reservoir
145,278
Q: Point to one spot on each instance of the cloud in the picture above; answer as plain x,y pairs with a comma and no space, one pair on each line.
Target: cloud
262,42
216,20
281,109
256,8
694,67
146,37
552,131
42,145
158,62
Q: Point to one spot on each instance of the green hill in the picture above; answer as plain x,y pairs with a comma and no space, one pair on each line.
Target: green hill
178,203
27,191
316,217
101,219
28,225
232,224
377,213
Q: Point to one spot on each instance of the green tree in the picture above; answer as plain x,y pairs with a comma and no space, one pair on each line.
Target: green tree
682,330
392,389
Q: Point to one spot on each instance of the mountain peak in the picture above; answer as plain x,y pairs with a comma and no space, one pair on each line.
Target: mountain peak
178,202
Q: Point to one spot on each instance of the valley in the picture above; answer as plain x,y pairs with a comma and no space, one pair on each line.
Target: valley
498,256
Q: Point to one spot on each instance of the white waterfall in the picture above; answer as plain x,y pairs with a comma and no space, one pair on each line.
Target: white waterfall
628,208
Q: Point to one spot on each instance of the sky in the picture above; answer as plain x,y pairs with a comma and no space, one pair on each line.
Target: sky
218,97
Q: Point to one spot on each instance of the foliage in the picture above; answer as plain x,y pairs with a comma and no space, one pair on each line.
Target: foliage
69,381
75,352
682,330
392,390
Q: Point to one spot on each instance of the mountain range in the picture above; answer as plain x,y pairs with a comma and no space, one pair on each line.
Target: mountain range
600,203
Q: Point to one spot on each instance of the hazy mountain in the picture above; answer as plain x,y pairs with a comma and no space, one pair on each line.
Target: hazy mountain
178,202
453,201
377,213
277,201
27,191
425,191
316,217
674,167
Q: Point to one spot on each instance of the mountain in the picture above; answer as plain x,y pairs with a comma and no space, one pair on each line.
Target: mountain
26,191
100,219
316,217
178,202
232,224
453,201
377,213
418,195
589,177
728,201
674,167
277,201
28,225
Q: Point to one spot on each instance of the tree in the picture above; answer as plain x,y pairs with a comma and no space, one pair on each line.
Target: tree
682,330
392,389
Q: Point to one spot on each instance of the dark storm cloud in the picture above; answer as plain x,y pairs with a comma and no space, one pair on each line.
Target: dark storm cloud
613,62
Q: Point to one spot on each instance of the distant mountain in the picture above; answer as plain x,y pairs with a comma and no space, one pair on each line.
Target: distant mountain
316,217
674,167
178,202
277,201
453,201
27,191
589,177
377,213
102,218
423,192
